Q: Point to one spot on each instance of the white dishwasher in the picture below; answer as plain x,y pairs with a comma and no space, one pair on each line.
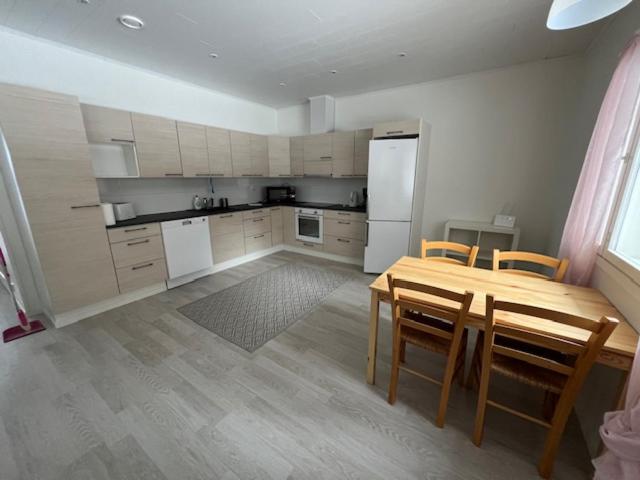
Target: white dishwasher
187,246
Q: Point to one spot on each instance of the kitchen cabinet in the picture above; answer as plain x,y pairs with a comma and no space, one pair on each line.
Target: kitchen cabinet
240,153
344,233
259,155
105,125
396,129
345,215
361,152
157,146
227,236
279,156
192,139
343,154
46,136
318,155
277,226
258,242
254,226
219,147
296,148
344,228
257,230
289,225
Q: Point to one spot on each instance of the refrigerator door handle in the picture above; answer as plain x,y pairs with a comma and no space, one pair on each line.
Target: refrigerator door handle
366,233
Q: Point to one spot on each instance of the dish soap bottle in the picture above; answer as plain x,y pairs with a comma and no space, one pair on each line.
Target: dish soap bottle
197,203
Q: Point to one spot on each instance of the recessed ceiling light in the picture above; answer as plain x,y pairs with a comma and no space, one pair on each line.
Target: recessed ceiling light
333,72
130,21
402,54
213,55
283,84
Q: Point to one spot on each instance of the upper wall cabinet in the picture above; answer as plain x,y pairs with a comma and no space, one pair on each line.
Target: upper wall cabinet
279,156
296,148
157,146
259,155
361,152
240,153
396,129
318,154
219,145
106,124
342,154
193,149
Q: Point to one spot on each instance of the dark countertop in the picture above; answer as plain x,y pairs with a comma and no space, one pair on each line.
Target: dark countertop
168,216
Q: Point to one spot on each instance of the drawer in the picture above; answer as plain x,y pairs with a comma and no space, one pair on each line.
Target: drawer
141,275
344,228
345,215
135,231
276,217
137,251
396,129
255,243
347,247
309,245
227,247
255,226
225,224
277,235
261,212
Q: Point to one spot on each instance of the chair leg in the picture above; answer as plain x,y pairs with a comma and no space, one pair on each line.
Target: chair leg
452,362
473,377
558,423
403,351
483,393
395,367
461,362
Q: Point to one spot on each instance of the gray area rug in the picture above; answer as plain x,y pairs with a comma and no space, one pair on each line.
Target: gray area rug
253,312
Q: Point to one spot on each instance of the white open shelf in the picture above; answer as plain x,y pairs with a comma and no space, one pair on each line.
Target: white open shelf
486,235
114,160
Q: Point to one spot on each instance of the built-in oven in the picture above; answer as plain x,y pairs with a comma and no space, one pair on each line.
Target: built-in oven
309,225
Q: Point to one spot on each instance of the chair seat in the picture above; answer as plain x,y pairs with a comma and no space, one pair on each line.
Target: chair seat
426,340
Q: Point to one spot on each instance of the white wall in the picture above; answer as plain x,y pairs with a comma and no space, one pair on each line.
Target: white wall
496,139
42,64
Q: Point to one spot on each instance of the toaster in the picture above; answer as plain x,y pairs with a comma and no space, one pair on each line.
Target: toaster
123,211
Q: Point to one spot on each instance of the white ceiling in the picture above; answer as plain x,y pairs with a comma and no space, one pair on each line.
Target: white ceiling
261,43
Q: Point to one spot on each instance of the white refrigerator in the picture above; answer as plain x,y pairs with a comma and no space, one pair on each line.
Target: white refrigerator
391,179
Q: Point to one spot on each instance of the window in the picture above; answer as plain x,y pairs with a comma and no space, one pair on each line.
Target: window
623,247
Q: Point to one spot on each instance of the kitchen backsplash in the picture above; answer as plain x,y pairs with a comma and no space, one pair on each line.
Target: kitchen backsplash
154,195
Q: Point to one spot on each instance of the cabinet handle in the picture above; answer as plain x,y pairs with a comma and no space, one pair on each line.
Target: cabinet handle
173,174
395,132
204,174
122,140
127,230
247,175
344,213
329,157
343,240
93,205
308,244
138,267
258,175
258,219
275,209
226,216
344,223
138,243
259,236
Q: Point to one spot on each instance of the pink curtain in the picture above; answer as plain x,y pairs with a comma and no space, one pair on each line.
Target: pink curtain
587,220
621,435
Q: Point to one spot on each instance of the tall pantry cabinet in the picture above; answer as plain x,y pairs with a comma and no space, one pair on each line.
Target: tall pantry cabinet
50,157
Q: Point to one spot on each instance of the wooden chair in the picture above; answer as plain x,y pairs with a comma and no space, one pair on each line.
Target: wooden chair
559,266
470,252
540,370
429,326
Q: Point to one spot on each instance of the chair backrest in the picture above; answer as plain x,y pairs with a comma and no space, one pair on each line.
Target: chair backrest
406,296
585,353
470,252
559,266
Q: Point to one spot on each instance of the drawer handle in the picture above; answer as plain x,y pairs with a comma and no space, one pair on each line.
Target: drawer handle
203,174
226,216
146,265
275,209
344,213
308,244
217,174
258,219
344,223
259,236
122,140
395,132
93,205
134,229
343,240
173,174
247,175
138,243
283,175
328,157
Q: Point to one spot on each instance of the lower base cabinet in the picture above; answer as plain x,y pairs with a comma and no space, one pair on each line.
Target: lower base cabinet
346,247
227,247
255,243
141,275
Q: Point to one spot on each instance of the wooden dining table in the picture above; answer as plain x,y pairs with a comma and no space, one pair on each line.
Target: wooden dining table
618,352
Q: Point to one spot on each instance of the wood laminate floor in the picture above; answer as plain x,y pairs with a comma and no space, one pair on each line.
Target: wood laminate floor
141,392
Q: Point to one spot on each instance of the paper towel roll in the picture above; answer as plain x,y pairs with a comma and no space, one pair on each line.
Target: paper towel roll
107,211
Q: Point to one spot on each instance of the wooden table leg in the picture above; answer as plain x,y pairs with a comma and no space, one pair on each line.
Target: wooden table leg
374,315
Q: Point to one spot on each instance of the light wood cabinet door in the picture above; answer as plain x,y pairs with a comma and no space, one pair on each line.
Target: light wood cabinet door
289,225
279,156
259,156
277,226
134,277
361,152
240,153
50,155
258,242
342,153
396,129
192,139
157,146
226,223
344,228
219,145
344,246
317,147
104,124
254,226
296,147
135,252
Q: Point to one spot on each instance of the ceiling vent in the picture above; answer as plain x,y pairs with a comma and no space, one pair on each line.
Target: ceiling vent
322,114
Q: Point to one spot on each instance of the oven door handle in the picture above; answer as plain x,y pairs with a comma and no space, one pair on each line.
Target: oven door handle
306,217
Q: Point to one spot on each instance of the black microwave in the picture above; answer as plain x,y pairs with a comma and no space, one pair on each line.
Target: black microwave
281,194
